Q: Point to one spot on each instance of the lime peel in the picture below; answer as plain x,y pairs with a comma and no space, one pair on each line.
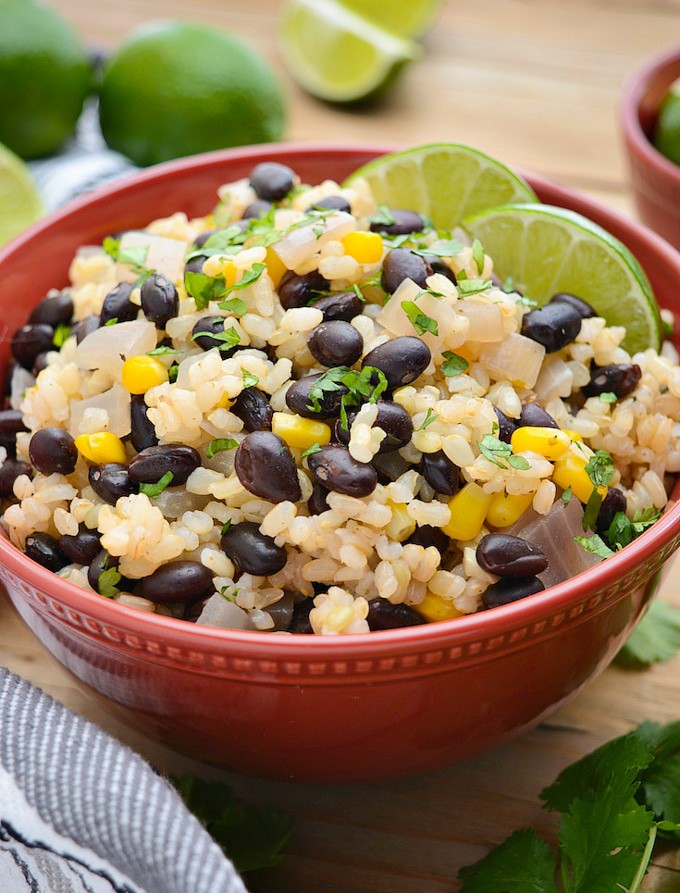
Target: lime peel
19,198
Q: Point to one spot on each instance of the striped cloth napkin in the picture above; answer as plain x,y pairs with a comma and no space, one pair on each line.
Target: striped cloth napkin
82,813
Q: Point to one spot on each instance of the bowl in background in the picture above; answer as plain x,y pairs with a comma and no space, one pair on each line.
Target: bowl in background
346,708
655,179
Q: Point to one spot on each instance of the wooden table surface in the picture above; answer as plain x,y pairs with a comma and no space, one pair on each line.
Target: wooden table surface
537,84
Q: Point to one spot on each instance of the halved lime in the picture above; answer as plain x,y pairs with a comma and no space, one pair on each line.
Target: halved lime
446,181
405,18
336,54
20,202
546,250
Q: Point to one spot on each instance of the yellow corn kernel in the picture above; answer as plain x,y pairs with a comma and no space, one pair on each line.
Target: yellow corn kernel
365,248
434,607
275,267
220,266
574,436
101,448
402,525
300,432
506,508
142,373
468,512
548,442
570,471
225,402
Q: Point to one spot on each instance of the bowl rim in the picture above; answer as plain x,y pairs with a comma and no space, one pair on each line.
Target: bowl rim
633,92
484,624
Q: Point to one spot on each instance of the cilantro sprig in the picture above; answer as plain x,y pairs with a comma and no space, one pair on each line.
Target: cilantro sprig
600,469
219,445
135,256
156,489
365,386
500,453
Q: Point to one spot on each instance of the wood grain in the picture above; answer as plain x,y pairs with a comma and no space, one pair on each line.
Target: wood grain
536,83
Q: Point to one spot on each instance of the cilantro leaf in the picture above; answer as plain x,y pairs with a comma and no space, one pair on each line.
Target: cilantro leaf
314,448
365,386
248,277
519,462
656,638
421,322
251,836
430,416
566,496
441,248
473,286
608,397
161,351
623,531
454,364
204,289
478,255
495,449
173,372
384,216
660,782
250,380
219,444
156,489
594,544
107,582
600,468
61,333
235,306
524,863
592,510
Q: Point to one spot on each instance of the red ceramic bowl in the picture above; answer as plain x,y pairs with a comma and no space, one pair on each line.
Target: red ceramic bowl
350,708
654,178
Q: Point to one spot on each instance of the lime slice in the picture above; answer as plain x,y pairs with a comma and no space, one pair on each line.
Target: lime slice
405,18
19,199
446,181
337,55
666,136
548,250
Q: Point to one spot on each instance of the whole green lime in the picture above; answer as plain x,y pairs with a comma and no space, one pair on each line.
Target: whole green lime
177,88
44,78
667,132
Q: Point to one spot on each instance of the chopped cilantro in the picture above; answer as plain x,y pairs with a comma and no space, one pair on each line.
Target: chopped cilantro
107,582
133,255
229,592
112,321
623,530
204,289
61,333
473,286
454,364
519,462
314,448
667,327
229,336
430,416
384,216
478,255
156,489
250,380
526,301
219,445
420,321
161,351
235,306
608,397
600,468
360,388
441,248
172,373
594,544
508,285
357,291
566,496
248,277
495,450
591,510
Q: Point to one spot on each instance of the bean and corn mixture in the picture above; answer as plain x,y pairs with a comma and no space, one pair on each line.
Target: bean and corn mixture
307,413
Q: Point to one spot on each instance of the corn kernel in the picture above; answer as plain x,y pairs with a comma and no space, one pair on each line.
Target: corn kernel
574,436
548,442
434,607
220,266
468,512
143,372
101,448
225,402
402,525
570,471
300,432
506,508
275,267
365,248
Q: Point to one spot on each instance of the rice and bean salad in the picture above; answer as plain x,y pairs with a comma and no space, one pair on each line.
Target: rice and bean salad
308,413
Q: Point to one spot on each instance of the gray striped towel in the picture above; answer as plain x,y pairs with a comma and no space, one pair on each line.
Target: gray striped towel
82,813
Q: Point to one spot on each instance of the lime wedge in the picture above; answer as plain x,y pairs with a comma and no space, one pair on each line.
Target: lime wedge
446,181
20,202
405,18
548,250
337,55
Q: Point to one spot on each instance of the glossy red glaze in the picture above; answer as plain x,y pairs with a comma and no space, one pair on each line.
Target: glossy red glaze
350,708
654,178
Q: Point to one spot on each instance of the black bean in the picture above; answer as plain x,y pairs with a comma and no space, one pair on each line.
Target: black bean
510,589
252,406
29,341
253,552
202,238
82,548
178,581
9,472
298,399
510,556
336,343
404,222
105,562
331,203
401,360
212,326
613,503
402,263
44,549
335,468
11,422
618,378
582,307
111,481
533,415
440,473
117,304
427,536
40,364
53,450
53,310
160,301
193,610
300,623
506,426
553,326
143,433
258,208
340,305
317,502
265,467
149,466
86,326
195,265
440,266
298,291
382,614
392,418
272,181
